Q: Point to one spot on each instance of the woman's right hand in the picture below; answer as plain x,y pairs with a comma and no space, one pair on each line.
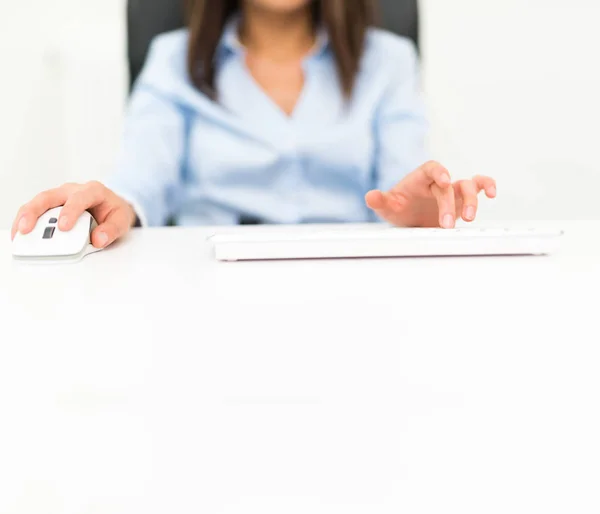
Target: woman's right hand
114,215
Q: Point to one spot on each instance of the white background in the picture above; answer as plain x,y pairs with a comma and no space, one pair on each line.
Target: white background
233,388
513,89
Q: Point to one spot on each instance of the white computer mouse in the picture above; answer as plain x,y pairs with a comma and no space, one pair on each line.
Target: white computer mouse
47,243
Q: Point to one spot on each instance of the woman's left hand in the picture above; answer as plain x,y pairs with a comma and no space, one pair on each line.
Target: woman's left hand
427,197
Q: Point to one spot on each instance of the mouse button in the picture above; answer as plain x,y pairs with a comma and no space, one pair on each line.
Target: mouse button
49,233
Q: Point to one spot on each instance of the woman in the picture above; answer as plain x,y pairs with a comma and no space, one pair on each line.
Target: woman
272,111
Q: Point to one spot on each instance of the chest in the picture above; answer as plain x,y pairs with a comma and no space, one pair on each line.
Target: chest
243,154
282,83
247,135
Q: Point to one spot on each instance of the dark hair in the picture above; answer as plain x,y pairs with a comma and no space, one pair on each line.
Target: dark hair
346,22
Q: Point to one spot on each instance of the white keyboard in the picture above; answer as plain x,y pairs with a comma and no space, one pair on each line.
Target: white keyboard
382,241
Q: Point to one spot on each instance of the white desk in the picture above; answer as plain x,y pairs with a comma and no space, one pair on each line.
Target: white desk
151,379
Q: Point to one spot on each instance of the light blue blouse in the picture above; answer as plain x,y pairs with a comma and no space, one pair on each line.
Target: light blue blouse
200,162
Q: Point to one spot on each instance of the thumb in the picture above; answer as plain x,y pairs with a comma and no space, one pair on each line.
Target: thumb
385,204
115,226
375,200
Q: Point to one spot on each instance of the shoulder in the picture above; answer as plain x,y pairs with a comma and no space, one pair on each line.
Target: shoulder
387,51
170,43
166,60
389,71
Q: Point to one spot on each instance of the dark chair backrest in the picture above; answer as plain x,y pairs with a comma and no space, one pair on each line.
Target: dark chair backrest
149,18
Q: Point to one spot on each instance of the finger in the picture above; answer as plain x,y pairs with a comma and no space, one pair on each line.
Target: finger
15,226
387,206
88,196
430,173
433,172
486,184
446,205
30,212
468,191
381,202
375,200
115,226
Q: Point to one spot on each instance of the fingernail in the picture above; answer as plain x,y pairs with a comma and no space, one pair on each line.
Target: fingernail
102,239
492,191
22,223
448,221
62,224
445,179
470,213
